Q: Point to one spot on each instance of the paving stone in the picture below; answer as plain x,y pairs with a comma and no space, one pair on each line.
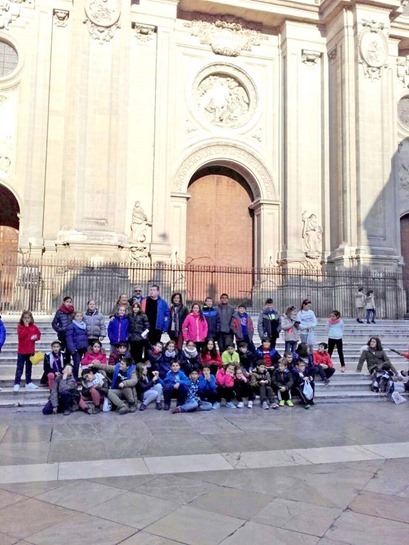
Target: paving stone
298,516
356,529
33,433
8,498
133,509
174,488
379,505
24,453
71,451
234,503
31,489
195,527
8,540
143,538
261,534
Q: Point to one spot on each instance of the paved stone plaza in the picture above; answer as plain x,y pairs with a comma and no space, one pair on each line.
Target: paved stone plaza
337,474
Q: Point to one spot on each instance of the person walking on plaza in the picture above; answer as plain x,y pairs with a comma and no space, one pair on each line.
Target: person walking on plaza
77,341
195,327
308,322
157,311
27,333
96,328
269,323
370,307
212,318
138,332
136,297
335,332
178,313
290,326
359,305
62,319
226,312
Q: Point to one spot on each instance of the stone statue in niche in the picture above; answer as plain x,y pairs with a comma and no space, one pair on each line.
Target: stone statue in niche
312,235
222,99
139,225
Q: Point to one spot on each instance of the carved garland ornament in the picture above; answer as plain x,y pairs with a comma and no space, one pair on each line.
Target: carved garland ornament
373,49
102,18
231,155
227,36
224,96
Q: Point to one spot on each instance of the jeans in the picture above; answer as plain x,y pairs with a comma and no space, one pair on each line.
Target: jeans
153,394
180,393
290,346
266,393
370,311
192,405
23,359
332,343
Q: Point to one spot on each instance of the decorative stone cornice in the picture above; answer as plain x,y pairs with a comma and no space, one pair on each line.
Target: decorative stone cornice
226,35
310,58
102,18
61,17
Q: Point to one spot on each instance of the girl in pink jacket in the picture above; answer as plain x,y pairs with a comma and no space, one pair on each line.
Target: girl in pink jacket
225,386
195,327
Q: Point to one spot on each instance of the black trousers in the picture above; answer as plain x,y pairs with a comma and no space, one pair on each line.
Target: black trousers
223,392
154,336
325,373
332,343
243,389
137,349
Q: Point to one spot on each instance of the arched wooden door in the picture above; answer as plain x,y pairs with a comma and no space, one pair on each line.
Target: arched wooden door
219,233
404,241
9,224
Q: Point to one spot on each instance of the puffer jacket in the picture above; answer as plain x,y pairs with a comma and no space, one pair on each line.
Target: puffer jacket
238,328
224,379
269,324
280,379
118,329
212,318
256,376
95,324
194,328
77,338
62,385
62,320
291,332
138,323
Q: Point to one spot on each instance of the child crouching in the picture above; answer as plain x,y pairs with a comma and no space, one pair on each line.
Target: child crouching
303,384
94,389
243,389
282,382
208,387
225,385
64,396
261,383
193,401
149,387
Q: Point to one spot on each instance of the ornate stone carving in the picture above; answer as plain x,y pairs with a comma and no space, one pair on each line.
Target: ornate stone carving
138,253
139,225
245,162
402,70
224,96
310,58
311,235
61,17
403,111
405,8
102,18
144,33
403,170
227,36
332,55
373,49
9,12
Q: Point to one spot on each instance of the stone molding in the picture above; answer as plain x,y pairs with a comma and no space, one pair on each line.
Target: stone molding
102,18
373,49
226,35
144,33
61,17
310,58
231,155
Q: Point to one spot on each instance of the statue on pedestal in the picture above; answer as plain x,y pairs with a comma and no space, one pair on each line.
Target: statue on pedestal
139,225
312,236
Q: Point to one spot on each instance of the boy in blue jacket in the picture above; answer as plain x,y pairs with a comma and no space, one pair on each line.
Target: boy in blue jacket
208,387
176,386
193,401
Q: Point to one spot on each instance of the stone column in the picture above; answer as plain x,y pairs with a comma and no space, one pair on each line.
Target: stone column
178,226
266,232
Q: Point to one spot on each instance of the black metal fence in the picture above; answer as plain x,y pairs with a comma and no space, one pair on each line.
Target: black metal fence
40,284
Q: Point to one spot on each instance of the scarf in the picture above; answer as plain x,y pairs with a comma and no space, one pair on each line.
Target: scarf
90,312
333,321
66,310
81,325
175,324
170,353
190,353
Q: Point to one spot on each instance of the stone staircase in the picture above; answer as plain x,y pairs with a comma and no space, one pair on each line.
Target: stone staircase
346,387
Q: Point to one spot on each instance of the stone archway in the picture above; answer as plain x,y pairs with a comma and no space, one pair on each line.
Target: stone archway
9,223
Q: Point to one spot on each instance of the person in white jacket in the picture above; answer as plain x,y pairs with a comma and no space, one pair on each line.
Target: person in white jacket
308,322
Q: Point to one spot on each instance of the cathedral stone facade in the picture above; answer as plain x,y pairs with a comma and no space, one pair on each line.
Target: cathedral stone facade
243,133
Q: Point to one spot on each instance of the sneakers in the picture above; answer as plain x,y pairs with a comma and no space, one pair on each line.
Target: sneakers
142,407
123,410
343,369
216,405
250,405
290,403
265,405
31,386
67,412
176,410
274,406
240,405
166,407
230,405
359,321
306,406
282,403
16,388
159,406
326,381
132,407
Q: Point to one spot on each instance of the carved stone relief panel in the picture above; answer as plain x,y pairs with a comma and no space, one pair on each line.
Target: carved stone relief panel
9,11
224,96
226,35
373,49
102,18
403,111
403,172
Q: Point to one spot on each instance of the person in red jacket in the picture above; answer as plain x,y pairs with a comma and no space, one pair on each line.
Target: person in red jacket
195,327
27,333
225,386
323,362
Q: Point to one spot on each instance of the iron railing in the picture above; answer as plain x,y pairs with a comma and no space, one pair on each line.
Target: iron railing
39,285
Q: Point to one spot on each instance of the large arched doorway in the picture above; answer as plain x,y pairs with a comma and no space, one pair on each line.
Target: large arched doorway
404,244
9,223
219,232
